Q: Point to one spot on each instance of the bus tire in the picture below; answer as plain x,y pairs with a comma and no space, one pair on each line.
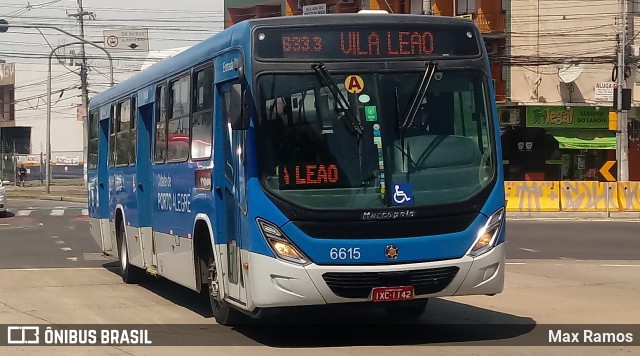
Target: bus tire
407,310
224,313
130,273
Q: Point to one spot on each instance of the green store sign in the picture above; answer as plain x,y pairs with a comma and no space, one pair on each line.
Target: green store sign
573,117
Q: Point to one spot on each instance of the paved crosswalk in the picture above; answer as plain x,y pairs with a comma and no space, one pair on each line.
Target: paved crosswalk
56,211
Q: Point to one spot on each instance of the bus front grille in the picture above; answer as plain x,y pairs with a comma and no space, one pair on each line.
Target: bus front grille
360,284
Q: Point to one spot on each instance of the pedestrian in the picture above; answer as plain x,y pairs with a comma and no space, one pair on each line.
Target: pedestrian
22,174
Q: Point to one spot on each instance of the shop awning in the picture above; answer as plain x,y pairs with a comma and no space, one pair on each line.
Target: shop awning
585,139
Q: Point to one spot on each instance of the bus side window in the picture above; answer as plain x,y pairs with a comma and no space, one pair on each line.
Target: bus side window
123,121
112,136
93,141
178,120
160,137
202,122
231,106
134,118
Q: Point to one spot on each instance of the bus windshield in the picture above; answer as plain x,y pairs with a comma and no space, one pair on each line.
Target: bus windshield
315,154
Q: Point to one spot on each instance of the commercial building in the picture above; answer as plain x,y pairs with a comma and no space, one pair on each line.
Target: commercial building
562,79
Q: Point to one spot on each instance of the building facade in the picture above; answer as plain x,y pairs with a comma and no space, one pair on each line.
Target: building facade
562,78
7,94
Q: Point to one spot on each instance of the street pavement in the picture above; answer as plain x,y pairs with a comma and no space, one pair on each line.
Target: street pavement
55,234
558,272
577,239
46,234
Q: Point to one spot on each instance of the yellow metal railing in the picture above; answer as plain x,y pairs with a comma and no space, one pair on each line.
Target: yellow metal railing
574,196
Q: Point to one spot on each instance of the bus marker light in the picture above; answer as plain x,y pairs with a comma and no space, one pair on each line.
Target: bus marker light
135,236
245,265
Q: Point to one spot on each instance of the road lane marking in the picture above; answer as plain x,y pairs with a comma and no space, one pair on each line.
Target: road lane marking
73,259
54,236
4,224
53,269
516,263
59,242
85,211
96,256
620,265
23,212
529,250
65,248
57,212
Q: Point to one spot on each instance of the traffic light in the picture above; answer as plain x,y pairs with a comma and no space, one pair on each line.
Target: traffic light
626,99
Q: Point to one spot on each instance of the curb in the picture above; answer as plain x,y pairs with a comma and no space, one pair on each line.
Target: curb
36,196
574,216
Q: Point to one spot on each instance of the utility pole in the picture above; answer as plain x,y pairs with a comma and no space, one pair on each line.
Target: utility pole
83,80
622,136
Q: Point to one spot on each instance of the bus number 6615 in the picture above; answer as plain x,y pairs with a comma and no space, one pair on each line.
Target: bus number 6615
343,253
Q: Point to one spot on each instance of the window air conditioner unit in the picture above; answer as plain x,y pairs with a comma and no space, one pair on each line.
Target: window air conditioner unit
492,48
302,3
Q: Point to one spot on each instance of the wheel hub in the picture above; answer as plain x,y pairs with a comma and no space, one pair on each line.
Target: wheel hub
214,288
123,255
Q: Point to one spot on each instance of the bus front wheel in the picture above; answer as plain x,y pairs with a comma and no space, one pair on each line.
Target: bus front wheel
407,310
224,313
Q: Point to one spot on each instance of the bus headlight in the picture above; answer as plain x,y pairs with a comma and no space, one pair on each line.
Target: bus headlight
488,234
280,244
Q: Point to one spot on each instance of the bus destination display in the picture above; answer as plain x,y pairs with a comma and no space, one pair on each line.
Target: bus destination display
362,43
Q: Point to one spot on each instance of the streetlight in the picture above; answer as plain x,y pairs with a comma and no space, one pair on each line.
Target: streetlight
48,135
4,26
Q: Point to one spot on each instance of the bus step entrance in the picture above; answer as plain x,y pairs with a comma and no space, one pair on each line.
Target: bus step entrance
153,271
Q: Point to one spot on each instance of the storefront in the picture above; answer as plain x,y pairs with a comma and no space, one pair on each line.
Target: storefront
558,143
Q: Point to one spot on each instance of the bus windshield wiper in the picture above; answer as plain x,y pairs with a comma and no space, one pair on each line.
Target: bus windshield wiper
419,96
343,103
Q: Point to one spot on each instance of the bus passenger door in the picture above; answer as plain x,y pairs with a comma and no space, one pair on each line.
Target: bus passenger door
143,174
103,180
228,196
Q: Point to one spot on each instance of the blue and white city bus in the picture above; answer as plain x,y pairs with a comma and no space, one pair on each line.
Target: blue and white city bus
307,160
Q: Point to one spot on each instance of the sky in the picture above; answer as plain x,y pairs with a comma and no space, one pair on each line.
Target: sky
170,24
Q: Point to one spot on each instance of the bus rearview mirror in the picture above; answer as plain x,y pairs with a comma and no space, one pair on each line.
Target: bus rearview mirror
242,121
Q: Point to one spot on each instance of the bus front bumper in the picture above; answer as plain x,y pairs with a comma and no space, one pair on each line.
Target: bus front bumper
274,283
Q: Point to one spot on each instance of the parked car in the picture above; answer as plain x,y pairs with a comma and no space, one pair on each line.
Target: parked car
3,199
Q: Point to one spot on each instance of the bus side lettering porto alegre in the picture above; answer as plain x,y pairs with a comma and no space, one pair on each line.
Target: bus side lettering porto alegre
178,202
311,174
167,201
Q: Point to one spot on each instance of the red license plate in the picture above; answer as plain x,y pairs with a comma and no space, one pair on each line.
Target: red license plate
390,294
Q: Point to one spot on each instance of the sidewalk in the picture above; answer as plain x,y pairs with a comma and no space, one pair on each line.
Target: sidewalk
63,190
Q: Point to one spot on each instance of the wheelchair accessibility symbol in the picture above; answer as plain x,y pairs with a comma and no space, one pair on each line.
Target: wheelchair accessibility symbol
402,194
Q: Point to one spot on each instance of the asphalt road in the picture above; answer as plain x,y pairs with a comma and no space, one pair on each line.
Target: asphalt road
558,272
47,234
43,234
580,240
